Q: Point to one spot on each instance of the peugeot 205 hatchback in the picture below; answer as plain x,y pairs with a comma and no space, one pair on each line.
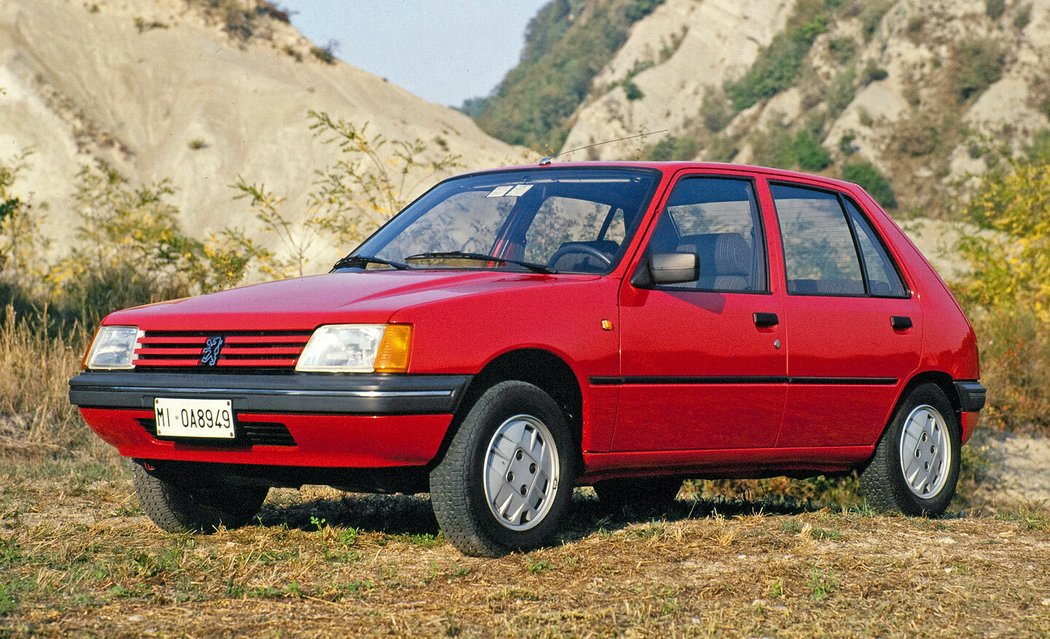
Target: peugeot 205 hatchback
514,333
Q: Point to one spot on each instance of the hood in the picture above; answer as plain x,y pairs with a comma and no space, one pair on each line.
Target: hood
307,302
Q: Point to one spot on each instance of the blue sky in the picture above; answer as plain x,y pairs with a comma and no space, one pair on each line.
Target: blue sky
442,50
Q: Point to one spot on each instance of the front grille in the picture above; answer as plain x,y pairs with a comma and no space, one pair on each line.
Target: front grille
248,434
240,349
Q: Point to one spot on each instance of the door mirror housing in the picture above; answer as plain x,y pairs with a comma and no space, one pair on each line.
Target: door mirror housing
667,268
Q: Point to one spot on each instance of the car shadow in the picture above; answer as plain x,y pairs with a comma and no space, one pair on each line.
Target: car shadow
413,515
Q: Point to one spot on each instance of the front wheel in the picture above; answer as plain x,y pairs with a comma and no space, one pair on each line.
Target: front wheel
916,463
178,506
506,481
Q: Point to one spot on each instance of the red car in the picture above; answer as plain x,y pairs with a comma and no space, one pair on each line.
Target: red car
515,333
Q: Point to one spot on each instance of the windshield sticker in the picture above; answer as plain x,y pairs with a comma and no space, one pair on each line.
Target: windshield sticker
500,191
509,190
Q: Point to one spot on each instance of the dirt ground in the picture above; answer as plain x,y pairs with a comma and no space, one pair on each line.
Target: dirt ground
78,558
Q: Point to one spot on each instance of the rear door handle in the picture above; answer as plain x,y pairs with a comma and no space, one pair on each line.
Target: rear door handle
766,319
900,322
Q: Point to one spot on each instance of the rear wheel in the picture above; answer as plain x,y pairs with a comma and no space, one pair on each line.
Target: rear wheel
648,494
175,506
506,481
916,463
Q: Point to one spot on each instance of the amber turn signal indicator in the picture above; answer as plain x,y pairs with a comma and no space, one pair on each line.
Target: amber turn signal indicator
392,356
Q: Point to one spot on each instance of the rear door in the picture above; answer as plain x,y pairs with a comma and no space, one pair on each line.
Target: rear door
702,362
854,329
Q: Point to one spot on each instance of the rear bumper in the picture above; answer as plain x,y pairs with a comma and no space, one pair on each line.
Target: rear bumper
971,396
321,421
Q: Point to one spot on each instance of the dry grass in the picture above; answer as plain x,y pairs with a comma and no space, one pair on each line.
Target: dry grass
34,373
78,557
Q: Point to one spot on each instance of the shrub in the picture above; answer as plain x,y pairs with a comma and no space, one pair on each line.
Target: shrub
715,112
326,53
873,73
994,9
673,148
632,91
1008,289
976,64
779,64
868,176
779,147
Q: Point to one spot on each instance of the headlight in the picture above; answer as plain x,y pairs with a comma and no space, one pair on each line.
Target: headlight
113,348
357,348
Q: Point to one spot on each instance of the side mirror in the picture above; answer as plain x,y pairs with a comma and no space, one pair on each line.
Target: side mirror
667,268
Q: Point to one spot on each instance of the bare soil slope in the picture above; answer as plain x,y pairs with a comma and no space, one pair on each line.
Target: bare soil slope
160,90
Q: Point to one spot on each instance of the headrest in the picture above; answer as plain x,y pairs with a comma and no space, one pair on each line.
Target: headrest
719,253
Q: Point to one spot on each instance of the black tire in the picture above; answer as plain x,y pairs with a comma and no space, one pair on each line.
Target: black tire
644,494
458,483
884,481
174,507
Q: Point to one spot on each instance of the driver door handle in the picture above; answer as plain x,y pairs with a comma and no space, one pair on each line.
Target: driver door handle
766,319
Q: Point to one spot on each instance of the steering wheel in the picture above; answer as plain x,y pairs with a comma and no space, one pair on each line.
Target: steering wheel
585,249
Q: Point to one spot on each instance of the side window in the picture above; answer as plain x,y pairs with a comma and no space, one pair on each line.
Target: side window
819,254
717,219
883,279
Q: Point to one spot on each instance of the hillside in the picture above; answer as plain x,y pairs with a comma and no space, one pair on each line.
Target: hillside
195,91
916,91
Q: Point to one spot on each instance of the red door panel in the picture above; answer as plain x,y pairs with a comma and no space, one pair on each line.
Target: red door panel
847,365
698,373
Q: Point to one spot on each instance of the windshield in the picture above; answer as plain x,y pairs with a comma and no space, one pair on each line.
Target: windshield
546,220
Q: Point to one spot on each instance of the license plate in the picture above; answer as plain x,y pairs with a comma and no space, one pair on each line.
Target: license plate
194,418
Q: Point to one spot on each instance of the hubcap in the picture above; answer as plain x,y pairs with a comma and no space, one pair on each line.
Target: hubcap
521,472
926,452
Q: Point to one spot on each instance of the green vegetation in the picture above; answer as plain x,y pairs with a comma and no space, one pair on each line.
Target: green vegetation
976,64
780,147
872,180
779,64
673,148
1008,291
566,45
994,9
243,20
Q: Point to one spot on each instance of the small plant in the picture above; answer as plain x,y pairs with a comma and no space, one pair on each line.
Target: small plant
536,566
821,585
994,9
872,73
1022,16
196,144
143,25
325,53
632,91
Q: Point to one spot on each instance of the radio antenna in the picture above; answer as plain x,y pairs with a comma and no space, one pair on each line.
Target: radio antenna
545,160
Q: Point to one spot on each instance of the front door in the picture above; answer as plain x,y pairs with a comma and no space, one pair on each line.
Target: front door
702,362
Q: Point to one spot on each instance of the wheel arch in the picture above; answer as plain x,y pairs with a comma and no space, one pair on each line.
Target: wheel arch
940,379
541,368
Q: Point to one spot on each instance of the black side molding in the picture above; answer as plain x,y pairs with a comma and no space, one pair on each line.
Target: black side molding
971,396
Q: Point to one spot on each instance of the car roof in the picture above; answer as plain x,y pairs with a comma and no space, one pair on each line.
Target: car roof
671,167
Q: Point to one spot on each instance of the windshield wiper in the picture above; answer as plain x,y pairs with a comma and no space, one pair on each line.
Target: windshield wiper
460,255
361,261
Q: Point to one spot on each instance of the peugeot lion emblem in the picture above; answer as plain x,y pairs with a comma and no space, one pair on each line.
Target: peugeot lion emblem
212,348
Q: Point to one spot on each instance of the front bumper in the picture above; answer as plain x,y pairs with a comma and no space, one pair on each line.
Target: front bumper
334,421
297,393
